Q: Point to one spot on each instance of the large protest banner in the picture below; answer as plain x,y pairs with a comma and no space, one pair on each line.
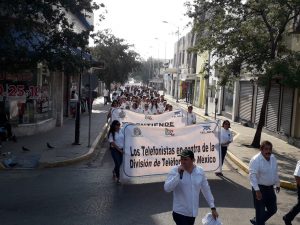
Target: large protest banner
154,150
168,119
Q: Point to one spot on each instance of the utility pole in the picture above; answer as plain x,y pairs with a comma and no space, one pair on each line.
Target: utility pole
78,105
207,83
177,67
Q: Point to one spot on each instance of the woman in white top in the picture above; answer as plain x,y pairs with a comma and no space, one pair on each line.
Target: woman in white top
116,145
114,105
226,139
154,107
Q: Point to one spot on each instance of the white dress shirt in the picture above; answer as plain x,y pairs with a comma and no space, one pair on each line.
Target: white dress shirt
190,118
226,136
119,138
297,170
186,191
264,172
105,92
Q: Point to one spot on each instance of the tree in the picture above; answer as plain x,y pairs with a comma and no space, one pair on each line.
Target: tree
249,36
146,71
39,31
119,60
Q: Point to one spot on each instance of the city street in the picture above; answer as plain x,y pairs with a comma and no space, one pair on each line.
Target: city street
174,83
85,194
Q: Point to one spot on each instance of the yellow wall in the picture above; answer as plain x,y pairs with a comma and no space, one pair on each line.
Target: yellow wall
201,60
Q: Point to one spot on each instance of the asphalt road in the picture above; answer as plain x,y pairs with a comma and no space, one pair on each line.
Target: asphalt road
85,194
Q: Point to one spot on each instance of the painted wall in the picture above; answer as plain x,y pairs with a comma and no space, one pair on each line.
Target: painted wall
201,60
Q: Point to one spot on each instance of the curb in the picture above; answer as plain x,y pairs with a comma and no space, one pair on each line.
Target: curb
243,166
284,184
83,157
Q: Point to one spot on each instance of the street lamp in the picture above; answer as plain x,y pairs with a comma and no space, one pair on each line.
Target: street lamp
177,58
158,67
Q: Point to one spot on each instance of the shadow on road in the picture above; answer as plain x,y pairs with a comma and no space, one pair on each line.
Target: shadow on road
139,203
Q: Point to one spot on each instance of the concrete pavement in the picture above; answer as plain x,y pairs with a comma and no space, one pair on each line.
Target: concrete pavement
61,138
240,153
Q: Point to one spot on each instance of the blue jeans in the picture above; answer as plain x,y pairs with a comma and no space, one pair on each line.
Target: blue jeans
118,158
267,206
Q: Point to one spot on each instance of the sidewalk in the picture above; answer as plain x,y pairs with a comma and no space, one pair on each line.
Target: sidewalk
286,154
61,138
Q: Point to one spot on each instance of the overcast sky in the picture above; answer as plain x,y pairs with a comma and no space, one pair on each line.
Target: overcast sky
139,22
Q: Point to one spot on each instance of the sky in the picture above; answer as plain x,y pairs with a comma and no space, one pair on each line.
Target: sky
139,22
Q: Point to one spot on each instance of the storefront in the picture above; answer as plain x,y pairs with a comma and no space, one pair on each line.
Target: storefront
27,96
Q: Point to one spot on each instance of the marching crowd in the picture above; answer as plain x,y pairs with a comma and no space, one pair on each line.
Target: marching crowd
188,179
141,100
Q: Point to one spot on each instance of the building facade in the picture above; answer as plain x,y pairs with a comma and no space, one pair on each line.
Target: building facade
36,100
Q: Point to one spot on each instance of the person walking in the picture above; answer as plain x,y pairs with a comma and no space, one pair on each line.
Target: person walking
289,217
105,95
186,181
263,175
73,103
226,139
190,116
116,145
114,105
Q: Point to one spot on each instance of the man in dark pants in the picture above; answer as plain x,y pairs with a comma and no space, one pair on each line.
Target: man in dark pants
263,173
186,181
4,122
288,218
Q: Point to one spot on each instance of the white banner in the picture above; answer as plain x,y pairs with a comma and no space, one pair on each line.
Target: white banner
154,150
168,119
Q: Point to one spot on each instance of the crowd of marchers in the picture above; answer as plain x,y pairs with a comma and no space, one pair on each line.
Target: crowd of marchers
263,169
143,100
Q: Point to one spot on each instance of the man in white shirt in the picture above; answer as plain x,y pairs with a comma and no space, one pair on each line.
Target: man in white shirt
105,95
263,174
186,181
190,116
289,217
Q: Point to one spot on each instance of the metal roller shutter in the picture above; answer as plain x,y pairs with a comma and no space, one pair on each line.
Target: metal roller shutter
228,99
273,108
246,100
259,102
286,111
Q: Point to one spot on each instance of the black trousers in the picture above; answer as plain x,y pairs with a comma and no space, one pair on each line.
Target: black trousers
267,206
224,152
295,210
7,126
183,220
118,158
105,99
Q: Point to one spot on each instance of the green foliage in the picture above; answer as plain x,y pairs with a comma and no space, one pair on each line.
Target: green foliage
118,59
247,36
34,31
146,71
